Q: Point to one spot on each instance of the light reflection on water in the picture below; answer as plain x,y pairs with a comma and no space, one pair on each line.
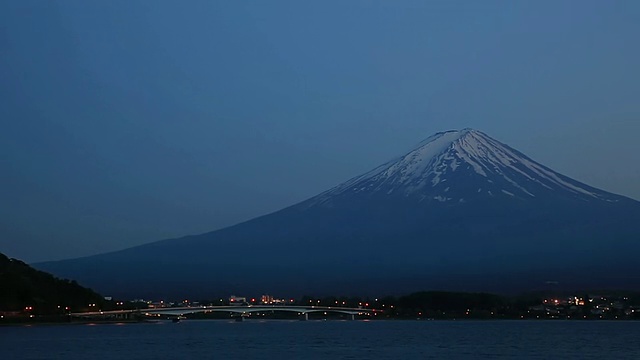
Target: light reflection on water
325,340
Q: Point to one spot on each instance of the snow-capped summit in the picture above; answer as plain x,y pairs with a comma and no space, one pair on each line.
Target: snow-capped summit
462,165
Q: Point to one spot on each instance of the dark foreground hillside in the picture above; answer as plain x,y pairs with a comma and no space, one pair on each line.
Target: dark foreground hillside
25,289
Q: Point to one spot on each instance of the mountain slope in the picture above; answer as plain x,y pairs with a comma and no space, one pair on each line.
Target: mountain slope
460,211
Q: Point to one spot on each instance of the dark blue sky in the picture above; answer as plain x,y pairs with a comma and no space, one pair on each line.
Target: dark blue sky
125,122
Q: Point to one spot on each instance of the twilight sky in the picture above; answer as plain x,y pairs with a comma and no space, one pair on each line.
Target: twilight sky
125,122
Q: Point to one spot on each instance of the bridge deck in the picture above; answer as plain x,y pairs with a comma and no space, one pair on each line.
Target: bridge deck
234,309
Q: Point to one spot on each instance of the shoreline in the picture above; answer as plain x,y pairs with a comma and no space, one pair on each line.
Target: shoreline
152,321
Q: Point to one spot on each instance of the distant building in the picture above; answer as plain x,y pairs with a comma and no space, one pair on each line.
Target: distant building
237,300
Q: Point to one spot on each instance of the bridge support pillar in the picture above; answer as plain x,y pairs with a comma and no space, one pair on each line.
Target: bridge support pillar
304,316
352,317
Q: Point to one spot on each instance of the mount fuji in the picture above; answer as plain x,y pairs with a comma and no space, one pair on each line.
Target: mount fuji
461,211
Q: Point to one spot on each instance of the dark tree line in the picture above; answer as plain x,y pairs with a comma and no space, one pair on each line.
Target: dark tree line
23,288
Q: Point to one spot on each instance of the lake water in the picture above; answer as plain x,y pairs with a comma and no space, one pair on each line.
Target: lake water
253,339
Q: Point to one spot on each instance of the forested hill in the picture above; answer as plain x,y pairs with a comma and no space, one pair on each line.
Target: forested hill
23,288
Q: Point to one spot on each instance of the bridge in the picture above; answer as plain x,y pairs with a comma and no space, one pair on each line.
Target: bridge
242,311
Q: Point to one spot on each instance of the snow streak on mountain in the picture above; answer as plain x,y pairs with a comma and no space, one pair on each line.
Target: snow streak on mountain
442,168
